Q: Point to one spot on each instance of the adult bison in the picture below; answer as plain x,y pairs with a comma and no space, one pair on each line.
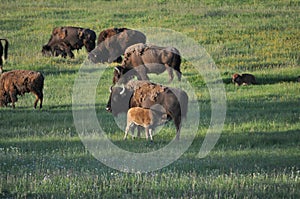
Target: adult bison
19,82
60,49
112,43
3,51
146,94
69,38
145,58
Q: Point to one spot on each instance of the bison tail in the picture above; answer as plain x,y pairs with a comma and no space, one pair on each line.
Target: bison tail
176,62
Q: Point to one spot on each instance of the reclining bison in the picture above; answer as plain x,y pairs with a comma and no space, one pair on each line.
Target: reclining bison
3,50
144,58
244,79
112,43
65,39
146,94
19,82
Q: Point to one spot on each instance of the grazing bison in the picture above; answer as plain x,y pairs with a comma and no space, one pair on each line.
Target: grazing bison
147,118
146,94
60,49
113,43
67,39
144,58
19,82
244,79
3,50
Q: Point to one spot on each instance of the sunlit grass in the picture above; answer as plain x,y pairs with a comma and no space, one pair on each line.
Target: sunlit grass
257,155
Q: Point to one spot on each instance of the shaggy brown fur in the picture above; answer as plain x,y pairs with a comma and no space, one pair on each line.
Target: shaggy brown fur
19,82
109,33
114,45
67,38
146,94
145,58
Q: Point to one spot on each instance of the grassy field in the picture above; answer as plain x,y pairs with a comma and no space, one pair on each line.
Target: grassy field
258,152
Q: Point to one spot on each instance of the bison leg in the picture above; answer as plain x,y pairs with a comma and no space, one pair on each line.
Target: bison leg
147,132
139,131
13,97
178,74
142,73
150,134
70,53
38,97
129,125
177,122
170,71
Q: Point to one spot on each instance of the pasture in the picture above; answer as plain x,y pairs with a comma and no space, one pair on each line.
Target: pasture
258,152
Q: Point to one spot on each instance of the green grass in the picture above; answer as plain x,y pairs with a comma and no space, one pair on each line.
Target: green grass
257,155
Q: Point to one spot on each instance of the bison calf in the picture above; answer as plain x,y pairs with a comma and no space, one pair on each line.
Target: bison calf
147,118
19,82
244,79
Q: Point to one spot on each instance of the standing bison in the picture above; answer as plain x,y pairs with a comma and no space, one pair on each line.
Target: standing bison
145,94
65,39
147,118
19,82
144,58
244,79
3,50
112,43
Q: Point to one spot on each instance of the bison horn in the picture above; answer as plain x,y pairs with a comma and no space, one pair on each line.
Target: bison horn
116,68
123,90
110,89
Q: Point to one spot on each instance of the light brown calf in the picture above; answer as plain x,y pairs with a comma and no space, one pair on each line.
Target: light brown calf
147,118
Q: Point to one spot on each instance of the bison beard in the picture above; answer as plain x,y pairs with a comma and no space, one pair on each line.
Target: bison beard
19,82
146,94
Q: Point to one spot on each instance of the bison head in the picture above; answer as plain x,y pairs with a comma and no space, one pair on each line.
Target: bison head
119,100
99,55
88,37
237,79
122,75
46,50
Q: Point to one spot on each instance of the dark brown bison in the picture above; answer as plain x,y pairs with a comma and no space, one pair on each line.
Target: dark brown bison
65,39
109,33
19,82
3,53
146,94
147,118
115,44
244,79
144,58
60,49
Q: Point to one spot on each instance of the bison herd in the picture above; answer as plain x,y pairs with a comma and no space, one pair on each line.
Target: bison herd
147,104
